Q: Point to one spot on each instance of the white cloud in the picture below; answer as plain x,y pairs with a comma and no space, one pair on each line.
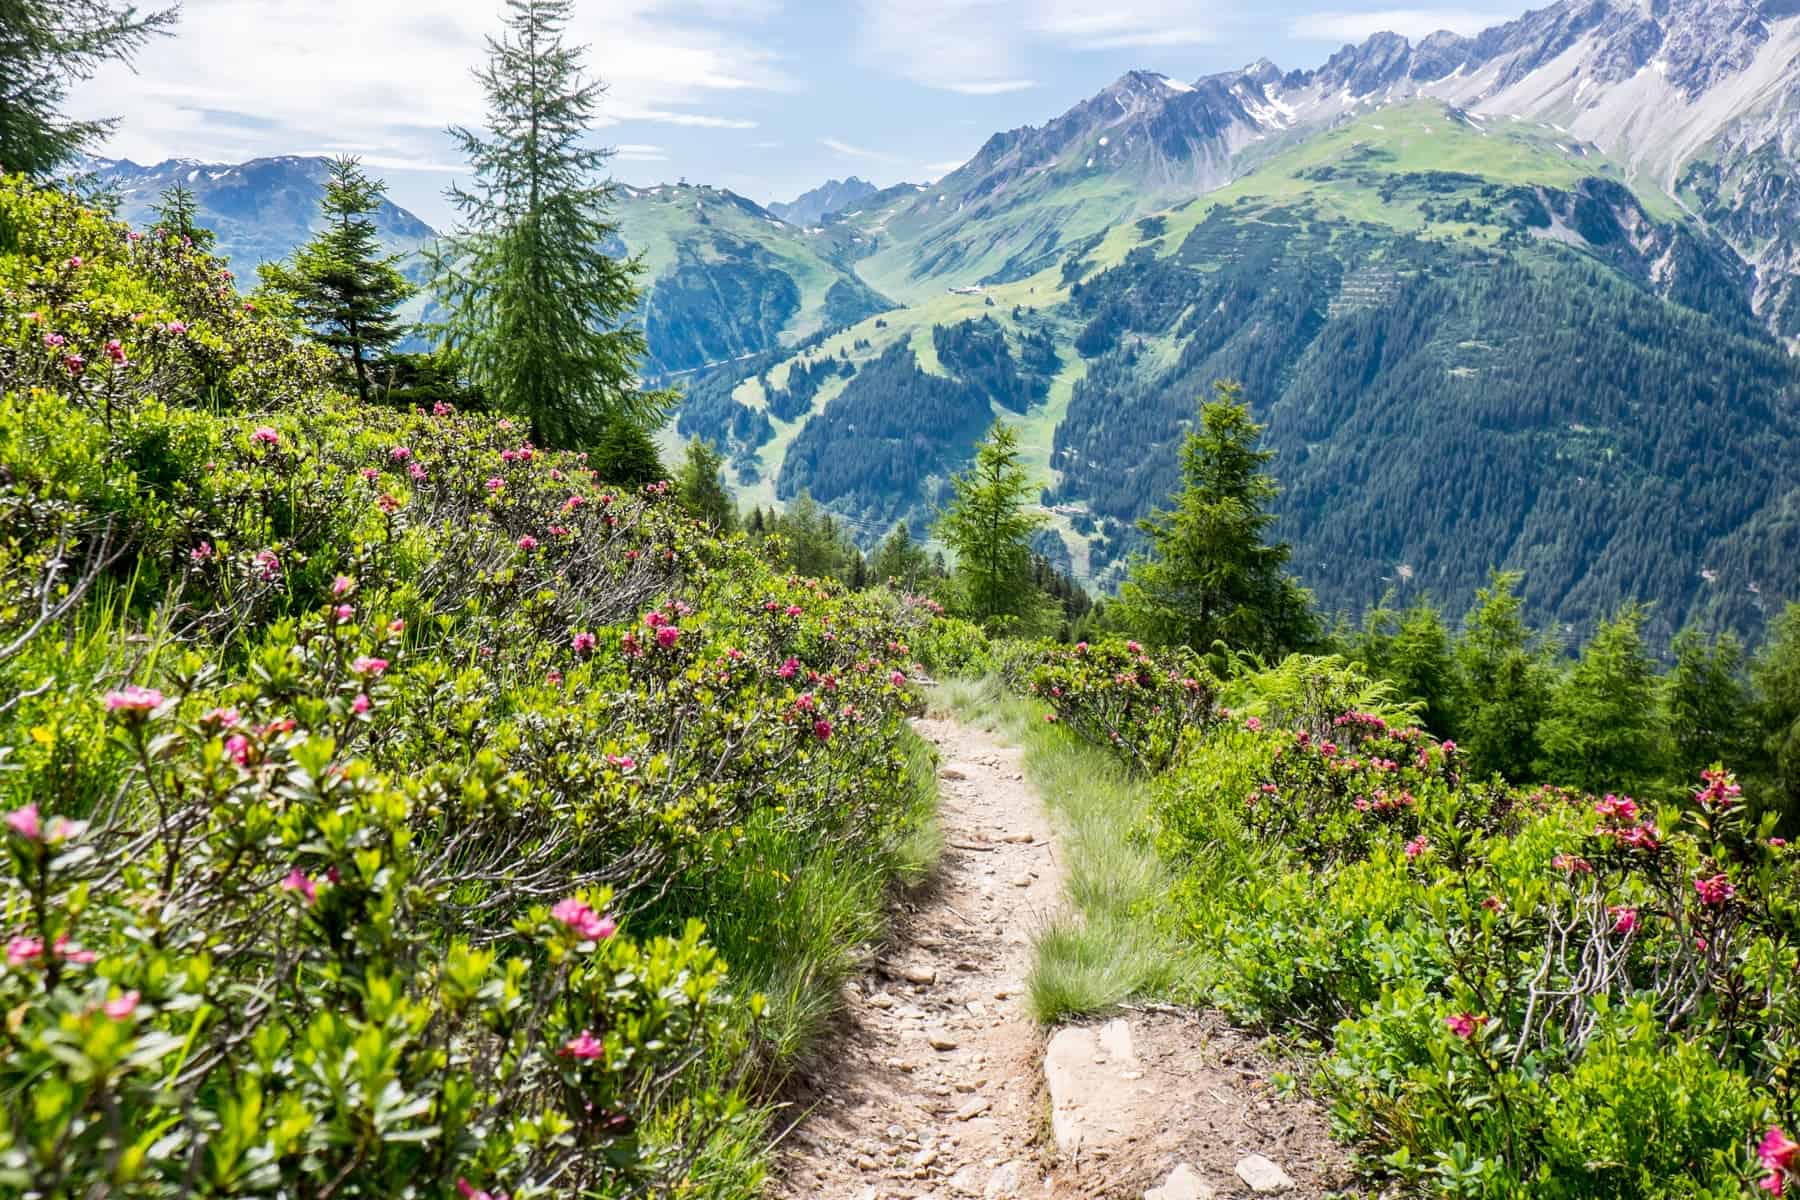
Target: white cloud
984,47
247,77
693,120
638,152
939,169
991,87
1408,22
848,151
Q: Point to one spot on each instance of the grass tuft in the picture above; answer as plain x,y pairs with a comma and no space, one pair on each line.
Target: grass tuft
1108,947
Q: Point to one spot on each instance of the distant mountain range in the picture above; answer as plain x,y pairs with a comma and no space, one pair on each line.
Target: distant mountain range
1526,299
259,210
831,196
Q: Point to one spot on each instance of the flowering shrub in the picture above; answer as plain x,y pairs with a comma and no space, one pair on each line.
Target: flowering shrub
1525,993
361,817
1122,699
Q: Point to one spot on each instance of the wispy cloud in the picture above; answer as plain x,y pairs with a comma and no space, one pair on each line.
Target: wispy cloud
391,75
844,148
986,47
638,152
691,120
991,87
1408,22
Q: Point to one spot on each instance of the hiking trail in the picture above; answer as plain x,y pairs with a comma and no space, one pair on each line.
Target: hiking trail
934,1085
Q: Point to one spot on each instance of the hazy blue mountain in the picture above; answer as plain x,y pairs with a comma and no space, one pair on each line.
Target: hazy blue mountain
810,207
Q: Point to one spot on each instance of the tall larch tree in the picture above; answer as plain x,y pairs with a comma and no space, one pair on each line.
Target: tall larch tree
536,308
988,523
1210,574
340,283
47,45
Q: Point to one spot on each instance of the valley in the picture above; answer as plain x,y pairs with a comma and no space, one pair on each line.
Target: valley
1374,247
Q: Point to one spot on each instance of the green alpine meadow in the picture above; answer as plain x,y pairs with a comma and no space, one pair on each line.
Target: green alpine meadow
1241,639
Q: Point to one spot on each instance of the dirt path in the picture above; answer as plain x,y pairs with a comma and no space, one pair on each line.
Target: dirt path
933,1088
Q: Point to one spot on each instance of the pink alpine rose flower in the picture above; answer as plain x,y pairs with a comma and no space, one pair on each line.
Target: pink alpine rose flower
21,950
583,920
583,642
364,665
667,636
1778,1156
121,1007
1714,892
134,701
1464,1025
25,823
300,883
584,1046
263,435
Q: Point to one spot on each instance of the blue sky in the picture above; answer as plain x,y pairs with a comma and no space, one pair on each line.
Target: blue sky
766,97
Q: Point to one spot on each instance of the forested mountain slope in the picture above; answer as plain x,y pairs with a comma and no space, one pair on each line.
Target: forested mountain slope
1474,344
725,278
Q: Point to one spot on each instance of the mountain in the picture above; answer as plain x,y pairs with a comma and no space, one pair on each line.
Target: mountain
1503,301
724,278
259,210
811,207
1525,300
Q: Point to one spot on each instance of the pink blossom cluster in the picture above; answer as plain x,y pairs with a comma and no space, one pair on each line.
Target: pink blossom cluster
582,920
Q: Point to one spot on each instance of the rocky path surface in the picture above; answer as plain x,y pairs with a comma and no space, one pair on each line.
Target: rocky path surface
933,1088
940,1086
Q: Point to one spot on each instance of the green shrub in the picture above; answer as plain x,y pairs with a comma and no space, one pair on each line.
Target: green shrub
1522,993
393,808
1116,696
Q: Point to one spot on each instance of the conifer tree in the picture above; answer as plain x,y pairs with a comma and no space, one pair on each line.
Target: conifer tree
1413,651
625,454
988,523
1603,730
1776,677
900,559
702,486
1209,575
1710,709
178,213
536,307
341,285
47,45
811,541
1506,681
